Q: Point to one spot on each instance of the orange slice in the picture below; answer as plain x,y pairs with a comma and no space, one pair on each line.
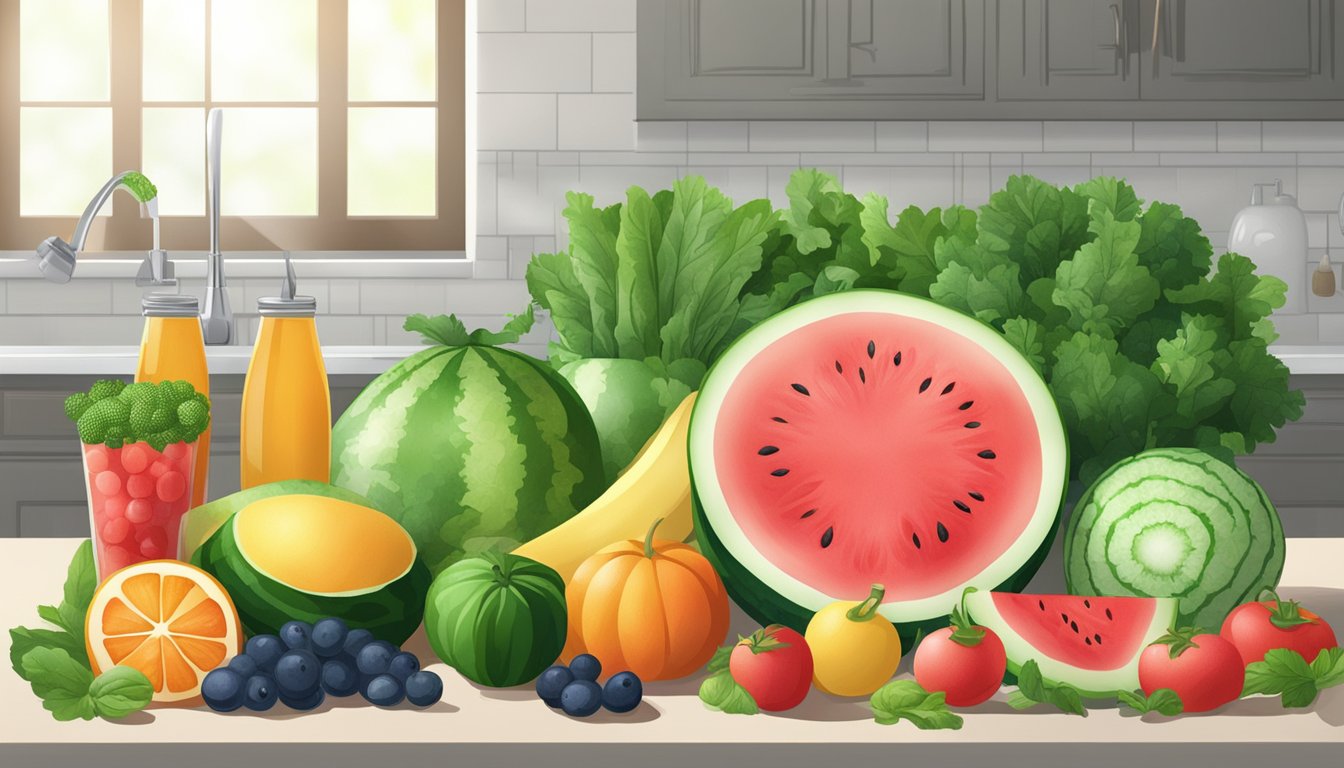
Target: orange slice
170,620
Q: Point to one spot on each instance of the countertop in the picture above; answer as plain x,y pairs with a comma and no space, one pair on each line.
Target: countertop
373,360
511,727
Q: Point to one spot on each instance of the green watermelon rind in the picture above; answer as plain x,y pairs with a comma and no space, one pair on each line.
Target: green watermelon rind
620,395
392,611
1092,684
744,582
471,449
1203,603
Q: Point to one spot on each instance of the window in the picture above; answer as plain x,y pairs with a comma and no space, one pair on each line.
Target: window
344,121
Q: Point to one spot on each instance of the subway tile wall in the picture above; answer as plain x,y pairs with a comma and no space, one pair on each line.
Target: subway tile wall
556,113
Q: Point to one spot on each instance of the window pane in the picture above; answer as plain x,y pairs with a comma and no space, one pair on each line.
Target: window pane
263,50
173,157
269,162
391,170
65,155
63,50
392,46
174,50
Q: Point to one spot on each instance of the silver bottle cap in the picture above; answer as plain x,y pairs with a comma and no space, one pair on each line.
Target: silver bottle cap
287,304
170,305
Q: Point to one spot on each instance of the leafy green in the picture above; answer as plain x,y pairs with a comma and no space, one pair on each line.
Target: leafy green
1032,689
120,691
449,331
906,700
61,682
1286,674
720,691
115,413
1164,701
80,582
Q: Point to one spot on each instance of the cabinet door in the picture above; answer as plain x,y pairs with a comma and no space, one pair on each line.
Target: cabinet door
1242,49
1083,50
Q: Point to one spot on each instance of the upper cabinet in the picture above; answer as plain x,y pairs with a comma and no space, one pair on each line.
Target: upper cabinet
990,59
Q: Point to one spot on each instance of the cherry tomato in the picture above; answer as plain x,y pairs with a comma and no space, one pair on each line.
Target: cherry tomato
965,661
1205,670
774,665
1257,628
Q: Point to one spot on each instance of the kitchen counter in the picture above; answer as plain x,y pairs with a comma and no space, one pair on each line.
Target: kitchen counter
475,726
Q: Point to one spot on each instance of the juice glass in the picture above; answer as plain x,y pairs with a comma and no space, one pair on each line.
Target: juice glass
172,348
137,497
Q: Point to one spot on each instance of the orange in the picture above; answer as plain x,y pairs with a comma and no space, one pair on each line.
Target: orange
170,620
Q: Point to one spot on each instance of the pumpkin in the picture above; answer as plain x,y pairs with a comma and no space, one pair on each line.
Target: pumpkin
655,608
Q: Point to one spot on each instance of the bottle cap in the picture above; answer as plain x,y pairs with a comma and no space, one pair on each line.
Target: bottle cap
170,305
287,304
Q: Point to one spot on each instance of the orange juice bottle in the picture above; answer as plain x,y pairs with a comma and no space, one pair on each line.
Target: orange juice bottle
286,419
172,349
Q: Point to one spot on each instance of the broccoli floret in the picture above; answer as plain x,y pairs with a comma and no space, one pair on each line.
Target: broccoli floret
100,417
106,388
139,392
175,392
150,414
76,405
193,415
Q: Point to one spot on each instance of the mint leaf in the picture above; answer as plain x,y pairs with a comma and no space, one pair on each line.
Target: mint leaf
61,682
81,580
906,700
120,691
1282,673
719,661
1163,701
1034,688
22,640
1328,668
719,691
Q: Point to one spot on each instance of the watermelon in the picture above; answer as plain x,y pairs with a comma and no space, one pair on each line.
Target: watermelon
308,557
624,402
470,447
1090,643
1175,522
499,619
874,437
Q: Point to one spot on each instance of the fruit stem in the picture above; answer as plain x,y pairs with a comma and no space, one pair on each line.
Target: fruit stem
500,578
1285,614
648,538
868,608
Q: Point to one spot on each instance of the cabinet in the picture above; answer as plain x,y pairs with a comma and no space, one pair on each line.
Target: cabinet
1066,49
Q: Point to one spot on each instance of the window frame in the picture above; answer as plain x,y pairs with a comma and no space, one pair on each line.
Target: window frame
331,229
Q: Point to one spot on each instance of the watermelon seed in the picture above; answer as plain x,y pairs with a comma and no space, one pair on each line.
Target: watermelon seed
1097,638
872,350
779,419
949,387
1065,617
800,389
766,450
780,472
808,514
1087,640
1041,603
977,495
838,368
972,425
965,405
1074,626
915,538
986,454
959,504
1108,613
925,385
862,378
1087,604
942,533
897,359
827,537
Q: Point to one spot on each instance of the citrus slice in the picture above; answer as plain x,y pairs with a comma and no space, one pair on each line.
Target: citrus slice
170,620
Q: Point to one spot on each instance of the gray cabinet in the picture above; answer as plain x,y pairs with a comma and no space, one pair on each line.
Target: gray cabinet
1243,49
1068,49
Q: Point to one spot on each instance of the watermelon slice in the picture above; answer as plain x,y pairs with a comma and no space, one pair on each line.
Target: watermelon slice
874,437
1091,643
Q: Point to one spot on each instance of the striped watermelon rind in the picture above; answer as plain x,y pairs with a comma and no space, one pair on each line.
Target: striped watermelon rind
1175,522
622,399
471,448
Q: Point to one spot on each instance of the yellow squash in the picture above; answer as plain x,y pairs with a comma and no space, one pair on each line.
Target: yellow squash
657,484
854,650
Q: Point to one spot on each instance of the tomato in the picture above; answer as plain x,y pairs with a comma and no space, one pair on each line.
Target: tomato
855,650
965,661
774,665
1257,628
1205,670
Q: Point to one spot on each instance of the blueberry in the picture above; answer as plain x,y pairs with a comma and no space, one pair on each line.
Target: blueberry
328,637
622,692
244,665
298,674
265,650
585,666
260,693
303,703
403,665
384,691
423,688
356,639
552,682
581,698
339,678
297,635
374,658
222,690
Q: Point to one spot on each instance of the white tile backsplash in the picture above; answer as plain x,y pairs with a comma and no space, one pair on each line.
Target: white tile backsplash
1092,136
902,136
509,62
1293,136
1175,136
500,16
812,136
1238,136
580,15
985,136
516,120
714,136
603,121
614,62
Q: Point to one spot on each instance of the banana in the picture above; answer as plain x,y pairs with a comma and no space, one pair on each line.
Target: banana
656,484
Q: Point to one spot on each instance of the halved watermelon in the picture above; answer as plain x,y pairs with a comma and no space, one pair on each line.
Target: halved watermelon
1091,643
874,437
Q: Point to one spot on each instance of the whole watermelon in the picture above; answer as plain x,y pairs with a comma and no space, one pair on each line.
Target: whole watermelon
624,400
469,446
499,619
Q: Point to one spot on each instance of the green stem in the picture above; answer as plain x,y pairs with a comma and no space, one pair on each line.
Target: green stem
500,577
648,538
868,608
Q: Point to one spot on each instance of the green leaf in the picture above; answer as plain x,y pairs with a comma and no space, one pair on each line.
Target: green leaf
1172,247
1108,402
719,661
52,615
81,579
906,700
1032,687
593,246
1034,225
1103,286
1262,401
517,326
449,331
1282,672
906,251
1107,194
1328,668
1163,701
22,640
1187,363
806,188
120,691
977,282
1234,294
551,281
61,682
1026,335
719,691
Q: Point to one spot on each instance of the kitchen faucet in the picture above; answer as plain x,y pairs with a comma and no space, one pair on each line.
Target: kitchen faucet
217,316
